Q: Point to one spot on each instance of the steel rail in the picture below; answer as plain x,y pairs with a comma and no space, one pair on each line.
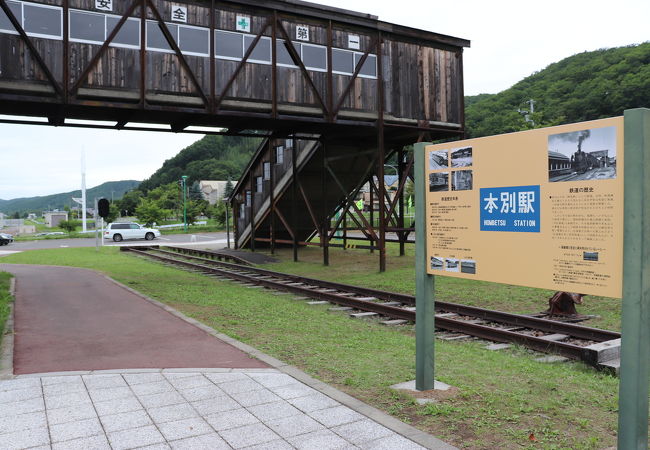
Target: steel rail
517,320
481,331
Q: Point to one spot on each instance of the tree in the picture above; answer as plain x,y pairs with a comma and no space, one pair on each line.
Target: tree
196,208
69,225
149,212
228,189
195,191
217,212
113,213
129,202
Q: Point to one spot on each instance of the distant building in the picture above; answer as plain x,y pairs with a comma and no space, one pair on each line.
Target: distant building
2,219
31,216
54,218
213,191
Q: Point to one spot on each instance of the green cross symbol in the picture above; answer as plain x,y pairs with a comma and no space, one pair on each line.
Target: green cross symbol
243,23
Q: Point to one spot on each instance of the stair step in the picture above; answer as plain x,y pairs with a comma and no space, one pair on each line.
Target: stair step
363,314
394,322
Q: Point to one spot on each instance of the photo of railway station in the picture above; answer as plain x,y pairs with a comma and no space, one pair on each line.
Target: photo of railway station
582,155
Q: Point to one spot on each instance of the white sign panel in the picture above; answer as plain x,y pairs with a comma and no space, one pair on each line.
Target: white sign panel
179,13
243,24
104,5
354,42
302,33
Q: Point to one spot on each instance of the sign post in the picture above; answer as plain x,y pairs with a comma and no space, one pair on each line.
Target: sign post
635,342
424,283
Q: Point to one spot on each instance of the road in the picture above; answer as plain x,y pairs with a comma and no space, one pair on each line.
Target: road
201,239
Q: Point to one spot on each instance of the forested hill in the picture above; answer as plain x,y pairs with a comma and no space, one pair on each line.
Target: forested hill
210,158
586,86
111,189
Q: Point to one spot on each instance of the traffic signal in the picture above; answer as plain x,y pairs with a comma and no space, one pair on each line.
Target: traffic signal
104,207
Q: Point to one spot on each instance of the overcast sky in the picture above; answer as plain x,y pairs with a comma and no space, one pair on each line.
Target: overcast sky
509,41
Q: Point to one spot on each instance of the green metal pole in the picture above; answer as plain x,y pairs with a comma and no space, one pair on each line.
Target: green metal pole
635,326
424,283
184,178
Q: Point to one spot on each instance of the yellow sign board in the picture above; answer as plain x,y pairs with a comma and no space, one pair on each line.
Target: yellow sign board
540,208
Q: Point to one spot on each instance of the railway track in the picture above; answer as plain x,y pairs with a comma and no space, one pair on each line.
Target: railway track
591,345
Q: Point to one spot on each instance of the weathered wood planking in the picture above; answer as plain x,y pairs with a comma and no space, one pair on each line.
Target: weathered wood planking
420,81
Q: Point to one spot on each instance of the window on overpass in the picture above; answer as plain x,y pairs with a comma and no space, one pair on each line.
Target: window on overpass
267,170
87,26
369,68
261,52
129,34
156,39
314,57
43,20
5,24
342,61
194,40
283,58
259,184
228,45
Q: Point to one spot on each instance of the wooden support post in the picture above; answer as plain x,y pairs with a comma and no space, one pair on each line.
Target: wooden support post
345,225
271,196
635,326
294,198
324,236
424,284
381,192
400,202
252,217
372,213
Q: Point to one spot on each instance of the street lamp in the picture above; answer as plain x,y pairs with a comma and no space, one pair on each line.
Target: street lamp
183,183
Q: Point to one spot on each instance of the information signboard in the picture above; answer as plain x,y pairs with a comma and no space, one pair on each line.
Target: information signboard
540,208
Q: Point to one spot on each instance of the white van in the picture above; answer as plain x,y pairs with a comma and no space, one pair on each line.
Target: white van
129,230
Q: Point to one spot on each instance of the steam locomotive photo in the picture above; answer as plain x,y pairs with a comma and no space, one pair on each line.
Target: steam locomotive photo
582,162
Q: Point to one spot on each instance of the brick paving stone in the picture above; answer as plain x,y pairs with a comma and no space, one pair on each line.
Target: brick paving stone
219,378
135,437
190,382
249,435
215,405
98,442
162,399
321,440
280,444
274,410
22,407
20,383
19,422
253,398
185,428
64,388
117,406
21,440
77,429
338,415
104,395
153,387
65,400
210,441
201,393
239,386
293,391
125,421
294,426
270,380
17,395
394,442
362,431
71,413
171,413
231,419
62,379
139,378
313,402
103,381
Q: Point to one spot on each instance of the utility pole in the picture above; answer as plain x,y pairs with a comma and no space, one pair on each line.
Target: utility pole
183,183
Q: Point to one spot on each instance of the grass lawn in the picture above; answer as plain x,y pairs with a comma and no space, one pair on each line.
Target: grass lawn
5,300
502,399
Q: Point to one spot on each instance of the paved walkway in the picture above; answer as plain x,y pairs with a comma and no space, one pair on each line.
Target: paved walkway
75,319
88,322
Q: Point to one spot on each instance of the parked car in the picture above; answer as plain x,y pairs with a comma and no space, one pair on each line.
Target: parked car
6,239
129,230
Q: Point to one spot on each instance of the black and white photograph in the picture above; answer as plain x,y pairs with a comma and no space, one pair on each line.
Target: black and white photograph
439,160
582,155
436,263
461,180
461,157
467,266
452,265
438,181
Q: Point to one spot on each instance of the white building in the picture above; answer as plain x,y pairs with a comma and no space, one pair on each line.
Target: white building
213,191
54,218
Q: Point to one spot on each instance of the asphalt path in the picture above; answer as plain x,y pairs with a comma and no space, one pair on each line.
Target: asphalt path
215,240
